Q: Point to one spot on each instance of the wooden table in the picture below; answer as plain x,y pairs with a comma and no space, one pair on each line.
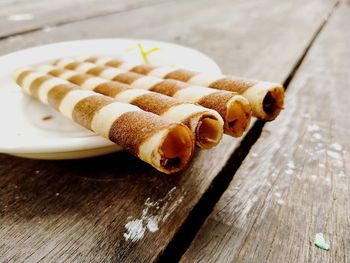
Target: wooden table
261,198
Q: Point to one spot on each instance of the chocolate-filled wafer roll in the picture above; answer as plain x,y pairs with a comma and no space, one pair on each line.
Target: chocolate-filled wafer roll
265,98
206,124
233,108
166,145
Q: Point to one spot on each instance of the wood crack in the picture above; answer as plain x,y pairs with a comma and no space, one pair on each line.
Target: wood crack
187,232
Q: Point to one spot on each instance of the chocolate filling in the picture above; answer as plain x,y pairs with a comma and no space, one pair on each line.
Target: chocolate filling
176,149
209,132
238,117
273,103
171,163
269,103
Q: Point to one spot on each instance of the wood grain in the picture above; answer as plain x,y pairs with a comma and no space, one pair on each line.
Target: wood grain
252,32
79,211
45,15
295,181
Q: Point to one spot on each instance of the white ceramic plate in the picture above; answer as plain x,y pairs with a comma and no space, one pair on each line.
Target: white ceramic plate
31,129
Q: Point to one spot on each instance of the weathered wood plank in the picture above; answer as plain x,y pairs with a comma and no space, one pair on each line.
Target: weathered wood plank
23,16
295,181
80,210
235,34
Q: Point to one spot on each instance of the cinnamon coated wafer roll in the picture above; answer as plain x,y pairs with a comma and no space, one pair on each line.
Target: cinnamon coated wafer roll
265,98
166,145
206,124
233,108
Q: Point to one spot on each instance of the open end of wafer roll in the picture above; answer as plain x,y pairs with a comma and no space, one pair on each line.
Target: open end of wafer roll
238,116
266,99
273,103
234,109
175,151
209,132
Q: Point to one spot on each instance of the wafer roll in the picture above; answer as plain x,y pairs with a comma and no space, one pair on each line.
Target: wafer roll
265,98
233,108
166,145
206,124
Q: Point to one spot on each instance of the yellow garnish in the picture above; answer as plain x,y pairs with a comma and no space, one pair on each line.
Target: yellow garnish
144,53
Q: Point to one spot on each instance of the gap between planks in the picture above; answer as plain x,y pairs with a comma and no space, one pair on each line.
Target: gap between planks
88,17
187,232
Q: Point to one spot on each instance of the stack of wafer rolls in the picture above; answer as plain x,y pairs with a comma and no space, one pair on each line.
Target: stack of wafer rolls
233,108
206,124
265,98
166,145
